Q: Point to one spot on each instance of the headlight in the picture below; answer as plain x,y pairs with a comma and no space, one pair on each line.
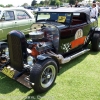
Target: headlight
6,51
30,60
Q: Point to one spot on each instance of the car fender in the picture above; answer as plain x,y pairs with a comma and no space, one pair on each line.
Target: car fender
43,56
46,56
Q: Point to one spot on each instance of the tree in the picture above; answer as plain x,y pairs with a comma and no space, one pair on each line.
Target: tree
81,0
47,2
63,1
34,2
25,5
9,5
71,1
1,5
52,2
57,3
42,2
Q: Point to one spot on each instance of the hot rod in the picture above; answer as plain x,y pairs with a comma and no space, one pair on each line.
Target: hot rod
57,37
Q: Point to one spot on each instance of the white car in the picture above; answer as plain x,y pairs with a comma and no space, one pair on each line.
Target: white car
15,19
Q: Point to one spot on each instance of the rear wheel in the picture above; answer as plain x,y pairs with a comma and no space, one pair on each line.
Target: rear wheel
43,75
95,42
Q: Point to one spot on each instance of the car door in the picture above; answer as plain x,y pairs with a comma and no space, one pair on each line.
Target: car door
24,21
8,24
80,30
74,36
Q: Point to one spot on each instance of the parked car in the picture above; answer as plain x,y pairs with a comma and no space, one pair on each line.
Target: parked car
57,37
15,19
29,7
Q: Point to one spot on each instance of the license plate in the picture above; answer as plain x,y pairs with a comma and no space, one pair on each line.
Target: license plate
8,71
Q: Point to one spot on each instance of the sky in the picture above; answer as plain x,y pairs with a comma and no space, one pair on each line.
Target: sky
17,2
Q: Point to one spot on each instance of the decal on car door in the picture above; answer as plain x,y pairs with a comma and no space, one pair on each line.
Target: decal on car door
79,33
66,47
79,39
78,42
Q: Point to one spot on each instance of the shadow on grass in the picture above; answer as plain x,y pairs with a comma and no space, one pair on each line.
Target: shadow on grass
37,96
93,52
8,85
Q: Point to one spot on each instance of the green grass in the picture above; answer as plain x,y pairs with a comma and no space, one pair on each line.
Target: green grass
77,80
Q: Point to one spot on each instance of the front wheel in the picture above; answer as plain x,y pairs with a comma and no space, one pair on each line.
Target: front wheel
95,42
43,75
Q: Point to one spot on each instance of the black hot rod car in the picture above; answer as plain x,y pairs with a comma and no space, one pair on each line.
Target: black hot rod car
56,38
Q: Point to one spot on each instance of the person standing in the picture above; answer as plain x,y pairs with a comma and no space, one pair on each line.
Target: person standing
94,12
76,4
97,5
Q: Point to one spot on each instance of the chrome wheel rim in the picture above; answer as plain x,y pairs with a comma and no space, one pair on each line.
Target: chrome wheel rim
48,76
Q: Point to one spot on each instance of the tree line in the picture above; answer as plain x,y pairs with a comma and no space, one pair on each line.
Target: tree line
55,2
46,3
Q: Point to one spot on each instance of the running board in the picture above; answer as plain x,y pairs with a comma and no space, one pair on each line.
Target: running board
63,60
67,59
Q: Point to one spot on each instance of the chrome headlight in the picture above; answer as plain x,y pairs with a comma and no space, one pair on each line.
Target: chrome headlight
30,60
6,51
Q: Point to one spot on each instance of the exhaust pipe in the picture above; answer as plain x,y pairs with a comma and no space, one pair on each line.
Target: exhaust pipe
63,60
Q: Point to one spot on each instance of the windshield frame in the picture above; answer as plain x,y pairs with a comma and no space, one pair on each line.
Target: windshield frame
66,14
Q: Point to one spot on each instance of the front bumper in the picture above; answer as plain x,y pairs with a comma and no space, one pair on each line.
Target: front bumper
21,77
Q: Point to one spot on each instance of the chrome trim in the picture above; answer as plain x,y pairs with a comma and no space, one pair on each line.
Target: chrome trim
48,75
27,80
63,60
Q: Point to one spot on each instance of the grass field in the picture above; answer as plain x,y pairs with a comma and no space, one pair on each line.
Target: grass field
77,80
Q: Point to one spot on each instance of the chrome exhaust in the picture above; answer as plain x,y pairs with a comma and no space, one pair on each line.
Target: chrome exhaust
63,60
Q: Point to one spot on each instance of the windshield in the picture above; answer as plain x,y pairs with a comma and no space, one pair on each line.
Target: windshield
43,16
54,16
